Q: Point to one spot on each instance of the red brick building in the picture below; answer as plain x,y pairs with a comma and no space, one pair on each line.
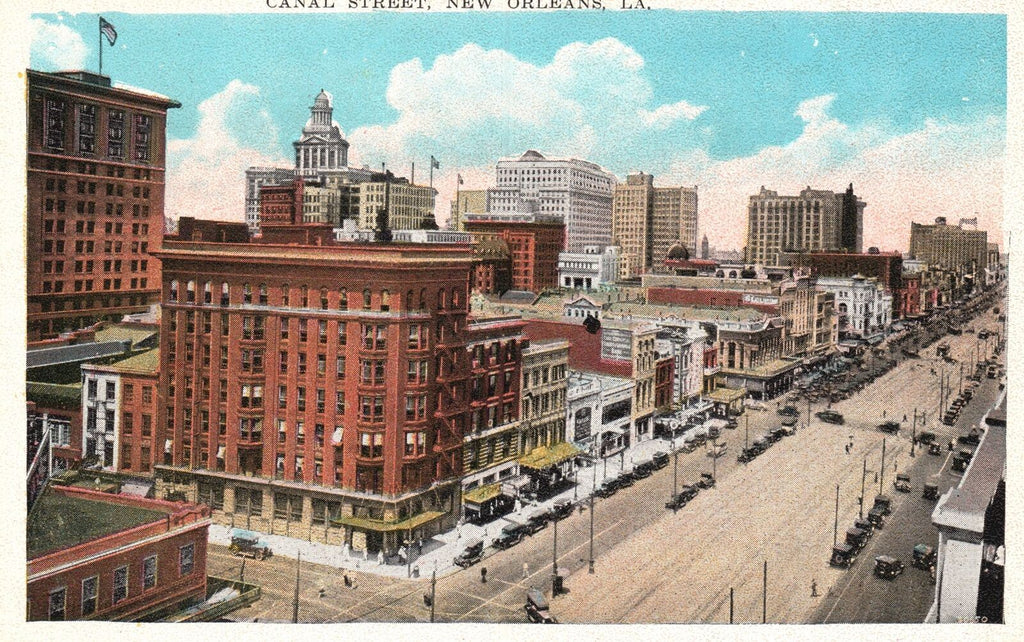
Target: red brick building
281,204
711,297
493,271
533,248
909,296
95,205
97,556
887,267
664,375
316,388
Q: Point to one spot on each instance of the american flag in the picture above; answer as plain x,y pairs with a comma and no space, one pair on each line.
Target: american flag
108,30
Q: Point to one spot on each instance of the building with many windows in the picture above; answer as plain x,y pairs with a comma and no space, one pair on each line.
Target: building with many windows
467,201
814,220
316,389
647,221
95,199
100,556
590,269
952,247
863,307
533,248
546,456
572,191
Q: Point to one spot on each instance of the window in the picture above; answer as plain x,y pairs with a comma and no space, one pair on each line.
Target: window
342,338
115,134
185,559
58,599
339,403
374,337
366,299
373,371
371,408
142,127
53,124
343,299
371,444
89,593
120,583
149,572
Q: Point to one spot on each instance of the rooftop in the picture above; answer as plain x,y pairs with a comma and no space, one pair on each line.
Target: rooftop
130,332
147,362
689,312
60,520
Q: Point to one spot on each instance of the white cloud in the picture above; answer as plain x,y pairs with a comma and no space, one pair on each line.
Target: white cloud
665,115
206,173
938,169
56,47
475,105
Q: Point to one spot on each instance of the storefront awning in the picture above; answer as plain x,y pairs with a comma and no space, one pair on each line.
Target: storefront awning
546,457
726,395
613,431
482,494
367,524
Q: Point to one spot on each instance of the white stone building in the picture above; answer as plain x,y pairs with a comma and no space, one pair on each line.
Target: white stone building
589,269
863,306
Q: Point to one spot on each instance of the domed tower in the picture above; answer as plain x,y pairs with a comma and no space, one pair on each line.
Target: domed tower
322,146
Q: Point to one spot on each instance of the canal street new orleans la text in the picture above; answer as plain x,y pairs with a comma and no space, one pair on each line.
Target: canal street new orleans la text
424,5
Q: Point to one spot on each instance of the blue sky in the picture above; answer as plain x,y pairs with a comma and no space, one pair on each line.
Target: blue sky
903,105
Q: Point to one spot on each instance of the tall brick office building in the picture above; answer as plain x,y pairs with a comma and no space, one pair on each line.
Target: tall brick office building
319,390
95,200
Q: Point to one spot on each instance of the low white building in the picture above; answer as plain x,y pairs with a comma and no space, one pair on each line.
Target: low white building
100,410
580,308
598,412
862,304
685,341
588,270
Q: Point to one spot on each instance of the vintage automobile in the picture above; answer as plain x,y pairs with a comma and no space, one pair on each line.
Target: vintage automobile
643,470
864,525
789,411
537,520
883,503
889,426
857,537
561,508
926,437
731,423
717,450
830,417
934,449
843,555
931,491
706,480
471,554
247,544
972,438
747,454
788,420
509,536
780,432
659,459
624,479
607,489
887,567
876,517
961,460
537,609
902,483
924,556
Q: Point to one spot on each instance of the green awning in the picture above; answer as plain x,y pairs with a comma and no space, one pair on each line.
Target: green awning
367,524
726,395
482,494
546,457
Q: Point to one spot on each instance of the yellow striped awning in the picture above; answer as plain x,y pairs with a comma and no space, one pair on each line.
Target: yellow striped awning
547,456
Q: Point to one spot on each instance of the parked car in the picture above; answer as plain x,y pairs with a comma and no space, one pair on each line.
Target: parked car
682,498
883,503
934,449
887,567
926,437
624,479
864,525
509,536
643,469
659,459
246,543
924,556
857,537
471,554
706,480
717,450
537,520
562,507
843,555
831,417
605,490
747,454
876,517
789,410
931,491
788,420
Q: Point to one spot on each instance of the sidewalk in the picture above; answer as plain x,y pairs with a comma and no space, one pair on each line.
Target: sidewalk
440,551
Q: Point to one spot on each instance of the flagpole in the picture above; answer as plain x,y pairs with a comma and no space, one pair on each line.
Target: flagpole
458,206
100,26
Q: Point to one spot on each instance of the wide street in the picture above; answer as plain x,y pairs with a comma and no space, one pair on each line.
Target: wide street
653,565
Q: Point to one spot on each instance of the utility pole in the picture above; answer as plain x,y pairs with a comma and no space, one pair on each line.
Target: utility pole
835,526
808,412
590,569
675,474
730,605
295,600
881,470
746,437
913,434
862,476
554,562
433,593
764,595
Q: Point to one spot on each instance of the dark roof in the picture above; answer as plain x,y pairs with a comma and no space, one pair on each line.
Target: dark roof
518,296
72,354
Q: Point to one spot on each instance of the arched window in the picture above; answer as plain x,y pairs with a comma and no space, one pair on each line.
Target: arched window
323,298
246,293
423,299
366,299
305,296
207,293
225,294
385,300
174,292
285,294
263,293
408,301
190,292
442,299
455,297
343,298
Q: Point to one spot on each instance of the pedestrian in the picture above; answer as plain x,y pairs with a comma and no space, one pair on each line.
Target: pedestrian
904,417
347,580
847,449
814,588
483,575
419,546
380,558
526,570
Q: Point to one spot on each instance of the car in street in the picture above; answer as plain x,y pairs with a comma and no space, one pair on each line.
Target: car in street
561,508
607,489
902,483
706,481
864,525
717,450
857,537
789,410
471,554
961,460
788,420
888,567
537,608
624,480
877,517
682,498
537,520
831,417
643,469
843,555
659,459
509,536
889,426
746,455
246,543
926,437
924,556
883,503
934,449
